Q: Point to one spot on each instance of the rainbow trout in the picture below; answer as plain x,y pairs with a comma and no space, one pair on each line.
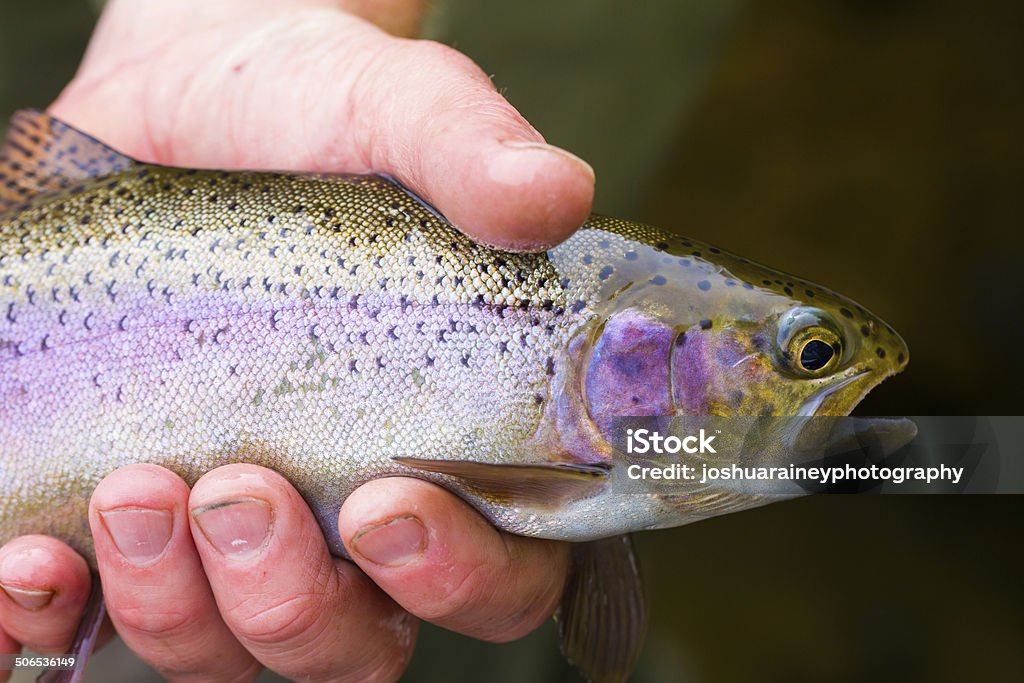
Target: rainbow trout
337,329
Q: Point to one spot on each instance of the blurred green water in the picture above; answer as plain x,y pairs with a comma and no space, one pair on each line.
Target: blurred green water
874,146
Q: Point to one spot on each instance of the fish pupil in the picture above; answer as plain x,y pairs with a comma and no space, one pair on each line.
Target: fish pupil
815,355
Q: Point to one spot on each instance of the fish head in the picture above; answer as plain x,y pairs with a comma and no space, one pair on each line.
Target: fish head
688,329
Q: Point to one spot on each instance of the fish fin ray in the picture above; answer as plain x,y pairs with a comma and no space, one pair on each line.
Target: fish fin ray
85,639
43,155
528,484
603,616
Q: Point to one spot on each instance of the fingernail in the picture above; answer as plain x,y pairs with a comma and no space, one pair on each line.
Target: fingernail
140,534
529,145
27,597
392,543
239,529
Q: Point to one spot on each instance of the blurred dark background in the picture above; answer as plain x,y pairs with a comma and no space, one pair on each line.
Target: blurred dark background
873,146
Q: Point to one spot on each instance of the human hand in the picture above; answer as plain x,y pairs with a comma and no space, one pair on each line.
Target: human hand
216,582
303,85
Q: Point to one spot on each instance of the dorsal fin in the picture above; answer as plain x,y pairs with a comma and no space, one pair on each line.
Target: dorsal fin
42,155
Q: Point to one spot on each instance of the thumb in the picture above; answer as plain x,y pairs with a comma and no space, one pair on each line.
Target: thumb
432,118
316,89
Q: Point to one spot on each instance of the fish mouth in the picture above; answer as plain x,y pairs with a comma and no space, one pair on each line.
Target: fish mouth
828,430
818,403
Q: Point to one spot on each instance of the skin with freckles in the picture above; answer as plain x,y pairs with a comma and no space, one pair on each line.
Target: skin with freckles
373,110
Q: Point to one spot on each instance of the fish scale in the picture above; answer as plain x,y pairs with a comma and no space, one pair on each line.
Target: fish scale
220,320
337,329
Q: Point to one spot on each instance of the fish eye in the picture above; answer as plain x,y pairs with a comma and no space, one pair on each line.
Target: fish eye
809,343
815,355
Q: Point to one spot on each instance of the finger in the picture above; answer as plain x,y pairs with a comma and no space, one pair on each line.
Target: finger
45,585
430,116
153,582
8,646
361,100
439,559
301,612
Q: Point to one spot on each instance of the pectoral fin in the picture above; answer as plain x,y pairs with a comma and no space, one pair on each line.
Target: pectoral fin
85,639
533,485
603,616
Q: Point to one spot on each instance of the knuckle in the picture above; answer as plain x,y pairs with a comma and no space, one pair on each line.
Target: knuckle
499,602
296,617
157,624
471,591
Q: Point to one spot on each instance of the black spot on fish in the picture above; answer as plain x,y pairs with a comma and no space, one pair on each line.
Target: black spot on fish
661,246
703,285
714,250
900,358
880,352
680,339
684,261
605,273
658,280
632,256
846,312
809,293
705,324
865,330
766,283
550,367
788,291
578,306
